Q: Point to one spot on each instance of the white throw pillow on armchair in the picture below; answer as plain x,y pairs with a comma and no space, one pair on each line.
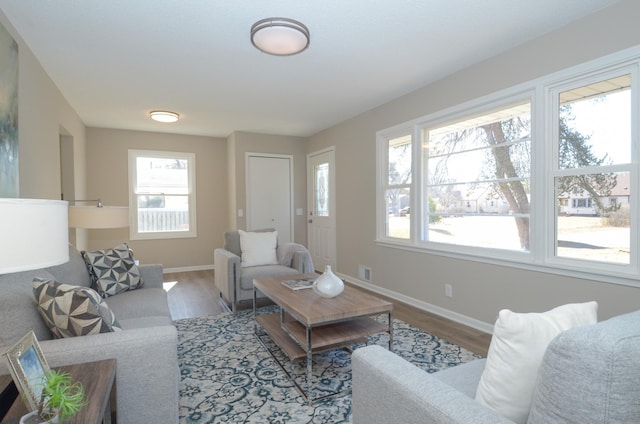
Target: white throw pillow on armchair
258,248
517,346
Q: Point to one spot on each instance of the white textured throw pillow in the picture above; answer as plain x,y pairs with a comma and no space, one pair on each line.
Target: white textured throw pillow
515,354
258,248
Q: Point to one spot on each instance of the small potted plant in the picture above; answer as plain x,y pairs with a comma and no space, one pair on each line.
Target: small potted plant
61,399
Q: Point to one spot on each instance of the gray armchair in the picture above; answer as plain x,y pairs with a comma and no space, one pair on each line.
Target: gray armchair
235,282
589,375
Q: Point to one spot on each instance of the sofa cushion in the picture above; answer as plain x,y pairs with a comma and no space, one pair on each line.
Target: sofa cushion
19,312
113,270
71,311
136,304
258,248
73,272
590,375
464,378
145,322
517,346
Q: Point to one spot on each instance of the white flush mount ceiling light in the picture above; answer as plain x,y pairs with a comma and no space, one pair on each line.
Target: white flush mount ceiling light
164,116
280,36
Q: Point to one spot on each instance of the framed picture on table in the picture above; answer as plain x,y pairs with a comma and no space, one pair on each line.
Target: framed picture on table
28,368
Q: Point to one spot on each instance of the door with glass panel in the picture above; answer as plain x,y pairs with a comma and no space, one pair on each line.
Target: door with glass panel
321,222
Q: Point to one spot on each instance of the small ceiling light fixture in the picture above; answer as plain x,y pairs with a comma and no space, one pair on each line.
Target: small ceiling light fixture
164,116
280,36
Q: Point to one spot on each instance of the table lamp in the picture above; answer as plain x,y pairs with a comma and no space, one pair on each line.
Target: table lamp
34,234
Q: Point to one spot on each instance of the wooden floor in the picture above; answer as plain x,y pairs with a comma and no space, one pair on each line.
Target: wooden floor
193,294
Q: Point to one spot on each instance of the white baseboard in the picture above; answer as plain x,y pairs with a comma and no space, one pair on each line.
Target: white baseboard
428,307
188,268
453,316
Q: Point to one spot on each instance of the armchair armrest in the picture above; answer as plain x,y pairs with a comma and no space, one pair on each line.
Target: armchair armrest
151,275
226,266
389,389
296,256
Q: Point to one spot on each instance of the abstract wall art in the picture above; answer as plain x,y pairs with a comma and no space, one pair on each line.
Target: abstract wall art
9,175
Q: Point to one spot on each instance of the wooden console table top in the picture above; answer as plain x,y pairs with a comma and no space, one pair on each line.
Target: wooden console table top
98,380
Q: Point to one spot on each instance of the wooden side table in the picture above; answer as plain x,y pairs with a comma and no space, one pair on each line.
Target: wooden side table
97,378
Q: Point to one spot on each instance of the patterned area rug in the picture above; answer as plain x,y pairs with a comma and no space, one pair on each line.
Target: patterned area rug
227,376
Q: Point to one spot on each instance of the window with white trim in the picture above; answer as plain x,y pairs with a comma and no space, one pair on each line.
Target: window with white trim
477,185
162,194
593,168
544,175
397,186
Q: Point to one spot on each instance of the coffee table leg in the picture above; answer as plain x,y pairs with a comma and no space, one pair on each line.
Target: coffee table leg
390,333
309,368
255,323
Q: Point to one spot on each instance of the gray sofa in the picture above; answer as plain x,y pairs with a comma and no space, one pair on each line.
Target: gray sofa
147,375
589,375
235,282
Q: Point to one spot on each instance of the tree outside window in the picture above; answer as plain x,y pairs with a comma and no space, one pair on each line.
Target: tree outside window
479,176
594,171
549,186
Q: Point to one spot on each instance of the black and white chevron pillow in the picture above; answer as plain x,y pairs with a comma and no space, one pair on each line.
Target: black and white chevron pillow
71,311
113,270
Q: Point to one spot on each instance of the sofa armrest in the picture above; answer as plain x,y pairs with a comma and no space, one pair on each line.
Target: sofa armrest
388,389
147,371
152,275
226,265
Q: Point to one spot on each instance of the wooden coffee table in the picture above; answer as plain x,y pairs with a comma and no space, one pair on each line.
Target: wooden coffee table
307,323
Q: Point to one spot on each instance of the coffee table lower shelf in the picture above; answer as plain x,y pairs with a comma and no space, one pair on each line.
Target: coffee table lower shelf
326,337
291,335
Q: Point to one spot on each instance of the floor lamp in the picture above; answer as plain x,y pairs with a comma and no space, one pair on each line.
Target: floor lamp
98,216
34,234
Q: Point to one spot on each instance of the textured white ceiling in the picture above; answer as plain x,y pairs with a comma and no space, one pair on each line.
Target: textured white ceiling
116,60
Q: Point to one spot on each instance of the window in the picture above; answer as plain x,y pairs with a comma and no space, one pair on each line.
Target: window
321,189
477,189
593,145
397,186
162,194
542,176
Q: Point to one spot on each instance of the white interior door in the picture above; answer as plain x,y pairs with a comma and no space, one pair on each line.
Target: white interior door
270,194
321,223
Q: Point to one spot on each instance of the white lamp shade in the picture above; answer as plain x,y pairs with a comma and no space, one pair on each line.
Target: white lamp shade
98,217
34,234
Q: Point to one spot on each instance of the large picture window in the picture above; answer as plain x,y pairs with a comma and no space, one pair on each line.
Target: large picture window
541,176
477,190
162,194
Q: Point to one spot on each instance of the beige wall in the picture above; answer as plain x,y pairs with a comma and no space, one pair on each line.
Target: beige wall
480,290
241,143
107,161
44,114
